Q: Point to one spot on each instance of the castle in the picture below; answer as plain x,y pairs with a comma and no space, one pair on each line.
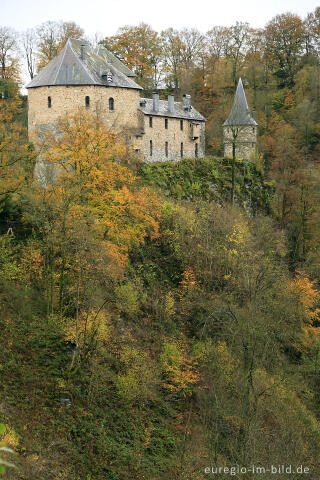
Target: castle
97,81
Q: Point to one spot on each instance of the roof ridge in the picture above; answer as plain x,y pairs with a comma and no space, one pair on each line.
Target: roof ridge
82,63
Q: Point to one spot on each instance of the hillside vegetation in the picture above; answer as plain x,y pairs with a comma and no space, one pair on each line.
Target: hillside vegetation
153,326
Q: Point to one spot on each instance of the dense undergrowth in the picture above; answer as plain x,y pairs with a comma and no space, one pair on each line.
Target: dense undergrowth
201,352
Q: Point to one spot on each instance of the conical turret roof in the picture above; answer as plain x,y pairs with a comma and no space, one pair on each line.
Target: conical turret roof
240,114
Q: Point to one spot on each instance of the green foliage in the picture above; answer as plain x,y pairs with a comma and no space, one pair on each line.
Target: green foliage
210,179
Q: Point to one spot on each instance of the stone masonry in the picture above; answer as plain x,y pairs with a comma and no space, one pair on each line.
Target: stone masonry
96,81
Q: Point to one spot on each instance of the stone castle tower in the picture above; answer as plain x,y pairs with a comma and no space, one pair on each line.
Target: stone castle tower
240,128
81,77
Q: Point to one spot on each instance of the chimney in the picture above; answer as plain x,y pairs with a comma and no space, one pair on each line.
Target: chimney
170,103
155,98
186,101
83,51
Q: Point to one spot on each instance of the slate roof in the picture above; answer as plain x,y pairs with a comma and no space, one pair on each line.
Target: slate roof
67,68
111,58
178,111
240,114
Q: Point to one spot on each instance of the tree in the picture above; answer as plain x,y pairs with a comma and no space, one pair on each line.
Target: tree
92,204
9,66
15,152
239,34
52,37
138,47
284,45
173,51
28,40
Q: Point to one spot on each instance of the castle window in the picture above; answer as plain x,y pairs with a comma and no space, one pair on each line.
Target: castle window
87,101
181,150
111,104
196,150
252,129
150,122
181,125
49,102
166,123
150,148
166,148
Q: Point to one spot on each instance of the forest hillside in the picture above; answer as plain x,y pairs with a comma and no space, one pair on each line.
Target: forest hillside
153,325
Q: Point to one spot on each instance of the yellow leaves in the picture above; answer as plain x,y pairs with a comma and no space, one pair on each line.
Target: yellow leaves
239,233
180,371
89,323
14,152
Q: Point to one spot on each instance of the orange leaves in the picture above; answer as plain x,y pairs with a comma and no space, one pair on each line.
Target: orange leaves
93,184
188,280
308,296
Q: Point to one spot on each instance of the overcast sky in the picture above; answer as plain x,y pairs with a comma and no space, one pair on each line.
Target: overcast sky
106,16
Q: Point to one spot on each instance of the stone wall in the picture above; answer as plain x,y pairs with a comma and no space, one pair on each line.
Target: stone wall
246,141
65,99
159,135
125,118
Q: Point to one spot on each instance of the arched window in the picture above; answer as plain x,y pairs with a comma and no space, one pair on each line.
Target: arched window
166,123
150,122
181,125
111,104
166,149
181,150
196,150
150,148
49,102
87,102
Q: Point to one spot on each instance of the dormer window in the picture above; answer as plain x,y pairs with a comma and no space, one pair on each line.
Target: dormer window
107,76
111,104
49,102
87,101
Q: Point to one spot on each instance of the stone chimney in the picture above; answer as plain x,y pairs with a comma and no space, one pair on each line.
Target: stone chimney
155,101
83,51
170,103
186,99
